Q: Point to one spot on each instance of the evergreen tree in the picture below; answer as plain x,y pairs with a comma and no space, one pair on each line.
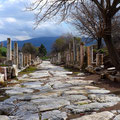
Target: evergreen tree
42,51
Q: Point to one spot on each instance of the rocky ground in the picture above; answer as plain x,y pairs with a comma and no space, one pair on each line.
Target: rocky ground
52,93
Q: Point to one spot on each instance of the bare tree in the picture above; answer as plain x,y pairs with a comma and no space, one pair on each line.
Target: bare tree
108,8
88,21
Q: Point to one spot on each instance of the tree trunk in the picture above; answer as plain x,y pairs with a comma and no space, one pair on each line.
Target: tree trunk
115,58
99,43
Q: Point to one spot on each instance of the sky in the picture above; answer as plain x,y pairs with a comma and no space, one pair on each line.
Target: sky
18,24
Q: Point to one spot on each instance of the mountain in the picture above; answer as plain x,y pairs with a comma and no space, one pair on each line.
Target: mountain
46,41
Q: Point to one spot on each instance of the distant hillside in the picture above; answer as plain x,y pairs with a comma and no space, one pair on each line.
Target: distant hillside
46,41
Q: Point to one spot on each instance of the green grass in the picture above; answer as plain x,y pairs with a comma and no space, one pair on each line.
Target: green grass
44,58
3,65
28,70
3,51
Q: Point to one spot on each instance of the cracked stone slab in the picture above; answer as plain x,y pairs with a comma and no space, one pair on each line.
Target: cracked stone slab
18,91
50,104
101,91
54,115
97,116
4,117
75,98
117,117
75,92
104,97
32,84
89,107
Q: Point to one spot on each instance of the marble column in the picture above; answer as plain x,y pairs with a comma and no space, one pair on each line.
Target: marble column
82,53
89,55
29,59
99,59
70,49
74,49
78,53
59,57
16,54
20,60
9,49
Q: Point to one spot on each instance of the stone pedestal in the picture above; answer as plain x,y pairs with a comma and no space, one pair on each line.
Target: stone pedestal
99,59
9,49
20,60
16,54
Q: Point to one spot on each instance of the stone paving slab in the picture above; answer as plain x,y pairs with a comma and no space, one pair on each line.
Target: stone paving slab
97,116
50,93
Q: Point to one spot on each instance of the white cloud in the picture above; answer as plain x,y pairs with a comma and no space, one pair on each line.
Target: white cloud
18,25
10,20
21,37
4,37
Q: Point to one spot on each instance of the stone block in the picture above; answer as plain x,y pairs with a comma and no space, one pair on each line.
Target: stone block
3,70
111,78
14,71
1,78
9,63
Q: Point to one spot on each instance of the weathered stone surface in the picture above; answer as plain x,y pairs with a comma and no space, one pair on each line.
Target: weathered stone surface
54,115
59,84
6,108
89,107
18,90
110,69
4,117
101,91
117,117
91,87
104,98
1,78
75,92
32,84
75,97
98,116
83,102
50,104
39,74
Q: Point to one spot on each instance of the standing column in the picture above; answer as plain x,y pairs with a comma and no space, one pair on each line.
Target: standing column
16,54
78,54
29,59
99,59
20,60
74,49
89,55
70,50
24,60
9,49
82,53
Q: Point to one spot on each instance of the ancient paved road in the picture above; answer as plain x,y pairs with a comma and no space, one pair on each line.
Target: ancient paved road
51,93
